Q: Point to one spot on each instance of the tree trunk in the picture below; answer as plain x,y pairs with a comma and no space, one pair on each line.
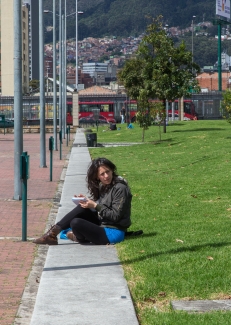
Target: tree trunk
159,132
164,125
181,108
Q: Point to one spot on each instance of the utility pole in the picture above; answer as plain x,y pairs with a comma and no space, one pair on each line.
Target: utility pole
219,22
192,34
54,80
60,65
76,49
223,18
42,90
18,118
65,70
63,77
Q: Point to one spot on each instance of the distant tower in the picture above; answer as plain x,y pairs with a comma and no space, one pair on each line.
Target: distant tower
33,38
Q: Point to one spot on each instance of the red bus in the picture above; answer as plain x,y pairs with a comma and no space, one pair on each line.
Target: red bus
69,113
189,109
86,110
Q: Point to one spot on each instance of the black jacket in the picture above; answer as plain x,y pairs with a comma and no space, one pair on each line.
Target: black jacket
114,206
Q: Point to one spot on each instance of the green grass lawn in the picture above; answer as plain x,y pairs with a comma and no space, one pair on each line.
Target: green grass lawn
182,201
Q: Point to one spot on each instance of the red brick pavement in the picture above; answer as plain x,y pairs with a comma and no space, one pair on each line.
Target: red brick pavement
16,257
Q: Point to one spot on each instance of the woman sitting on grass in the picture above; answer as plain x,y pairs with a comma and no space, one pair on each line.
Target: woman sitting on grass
101,220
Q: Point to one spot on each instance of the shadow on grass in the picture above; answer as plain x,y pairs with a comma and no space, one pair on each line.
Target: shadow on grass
160,141
171,123
151,234
175,251
198,160
203,158
201,129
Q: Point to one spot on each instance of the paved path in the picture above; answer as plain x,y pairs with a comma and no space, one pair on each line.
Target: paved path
81,284
16,256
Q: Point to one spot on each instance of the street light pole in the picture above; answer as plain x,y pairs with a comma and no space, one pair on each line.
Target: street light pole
60,65
76,50
54,80
42,90
62,69
54,76
18,118
65,72
47,104
192,35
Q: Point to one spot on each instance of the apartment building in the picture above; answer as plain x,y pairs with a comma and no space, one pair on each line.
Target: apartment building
30,51
33,29
95,67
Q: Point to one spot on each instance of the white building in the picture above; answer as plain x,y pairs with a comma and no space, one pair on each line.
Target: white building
94,68
103,73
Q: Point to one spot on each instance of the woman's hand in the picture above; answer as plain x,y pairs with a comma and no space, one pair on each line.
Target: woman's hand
89,204
80,195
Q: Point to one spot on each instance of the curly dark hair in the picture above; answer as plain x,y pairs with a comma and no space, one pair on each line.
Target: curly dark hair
93,183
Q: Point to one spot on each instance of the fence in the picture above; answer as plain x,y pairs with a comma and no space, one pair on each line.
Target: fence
31,109
207,106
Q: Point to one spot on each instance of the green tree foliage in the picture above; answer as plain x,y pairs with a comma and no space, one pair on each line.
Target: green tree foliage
131,77
159,70
129,18
168,70
125,18
104,58
204,49
34,85
226,105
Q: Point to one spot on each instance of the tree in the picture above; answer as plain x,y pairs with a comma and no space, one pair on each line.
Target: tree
131,77
158,114
34,85
226,105
205,49
142,116
159,69
103,58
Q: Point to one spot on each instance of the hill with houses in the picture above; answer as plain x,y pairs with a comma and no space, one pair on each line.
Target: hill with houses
129,18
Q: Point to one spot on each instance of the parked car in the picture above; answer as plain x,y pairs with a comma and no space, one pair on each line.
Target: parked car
185,118
107,119
102,119
86,120
7,124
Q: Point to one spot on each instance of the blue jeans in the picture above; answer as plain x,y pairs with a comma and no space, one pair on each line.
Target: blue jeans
122,119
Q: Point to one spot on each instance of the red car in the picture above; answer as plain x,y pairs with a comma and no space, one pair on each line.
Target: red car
107,119
103,119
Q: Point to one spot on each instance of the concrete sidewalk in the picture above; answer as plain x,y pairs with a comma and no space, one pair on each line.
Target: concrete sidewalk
81,284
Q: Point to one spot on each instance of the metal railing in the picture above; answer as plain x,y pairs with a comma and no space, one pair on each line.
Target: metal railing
31,109
207,106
